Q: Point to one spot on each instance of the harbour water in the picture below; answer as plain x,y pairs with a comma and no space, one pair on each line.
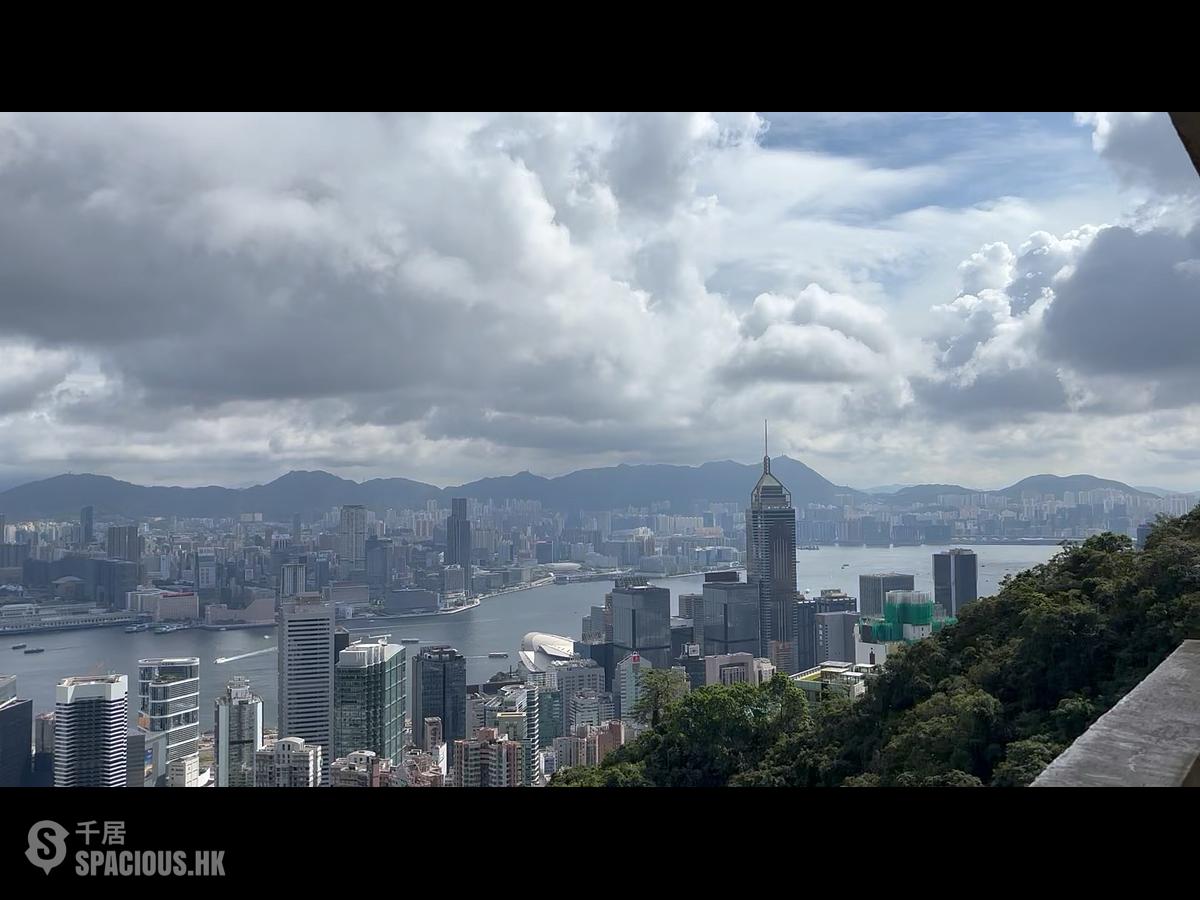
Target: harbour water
498,624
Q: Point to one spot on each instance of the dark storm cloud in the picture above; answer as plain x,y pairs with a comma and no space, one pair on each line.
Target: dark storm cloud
1014,394
1131,306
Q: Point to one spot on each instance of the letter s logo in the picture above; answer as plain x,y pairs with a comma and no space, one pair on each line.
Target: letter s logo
47,845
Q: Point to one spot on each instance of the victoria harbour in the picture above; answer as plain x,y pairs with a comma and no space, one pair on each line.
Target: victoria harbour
497,625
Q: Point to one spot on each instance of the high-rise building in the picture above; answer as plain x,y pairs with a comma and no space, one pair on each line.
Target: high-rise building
380,552
804,616
43,750
873,588
642,623
16,735
292,578
289,762
238,734
489,759
125,543
730,618
628,684
835,637
169,702
691,606
955,583
771,560
515,711
458,535
306,644
439,688
352,538
592,708
87,526
91,725
370,693
571,676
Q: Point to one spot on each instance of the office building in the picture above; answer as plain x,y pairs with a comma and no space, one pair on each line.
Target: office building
955,579
873,588
289,762
125,543
771,561
569,677
352,539
439,688
591,708
642,623
489,759
43,750
730,668
804,616
458,535
370,693
730,621
169,702
628,683
292,578
237,734
91,727
691,606
836,637
306,662
87,526
16,735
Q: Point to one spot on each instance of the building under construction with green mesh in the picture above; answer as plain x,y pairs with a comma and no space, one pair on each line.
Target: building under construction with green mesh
907,616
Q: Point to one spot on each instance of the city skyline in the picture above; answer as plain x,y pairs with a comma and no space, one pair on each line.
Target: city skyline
618,283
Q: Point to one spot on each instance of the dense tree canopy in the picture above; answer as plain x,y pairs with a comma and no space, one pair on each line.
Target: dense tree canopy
988,701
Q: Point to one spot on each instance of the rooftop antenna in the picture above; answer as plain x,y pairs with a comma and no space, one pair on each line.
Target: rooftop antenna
766,454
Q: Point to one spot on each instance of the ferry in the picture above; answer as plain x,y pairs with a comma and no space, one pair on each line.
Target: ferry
137,629
810,547
36,650
498,654
20,646
169,629
410,640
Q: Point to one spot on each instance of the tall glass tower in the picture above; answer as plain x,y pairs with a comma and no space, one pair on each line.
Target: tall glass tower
771,561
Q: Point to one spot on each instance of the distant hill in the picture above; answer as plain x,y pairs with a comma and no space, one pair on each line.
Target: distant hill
928,493
1056,484
316,492
886,488
613,487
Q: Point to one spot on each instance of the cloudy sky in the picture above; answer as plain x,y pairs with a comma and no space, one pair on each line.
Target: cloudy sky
194,299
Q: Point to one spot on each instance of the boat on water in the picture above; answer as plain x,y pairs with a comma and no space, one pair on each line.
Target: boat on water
20,646
811,547
137,629
498,654
36,650
410,640
169,629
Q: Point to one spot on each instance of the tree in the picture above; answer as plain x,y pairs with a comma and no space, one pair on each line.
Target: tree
658,691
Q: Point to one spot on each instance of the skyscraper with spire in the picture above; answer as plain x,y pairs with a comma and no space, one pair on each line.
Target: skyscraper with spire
771,562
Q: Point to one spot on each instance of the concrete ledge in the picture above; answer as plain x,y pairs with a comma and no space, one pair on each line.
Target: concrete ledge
1151,738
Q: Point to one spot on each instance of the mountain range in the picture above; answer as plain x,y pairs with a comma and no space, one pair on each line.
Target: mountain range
613,487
